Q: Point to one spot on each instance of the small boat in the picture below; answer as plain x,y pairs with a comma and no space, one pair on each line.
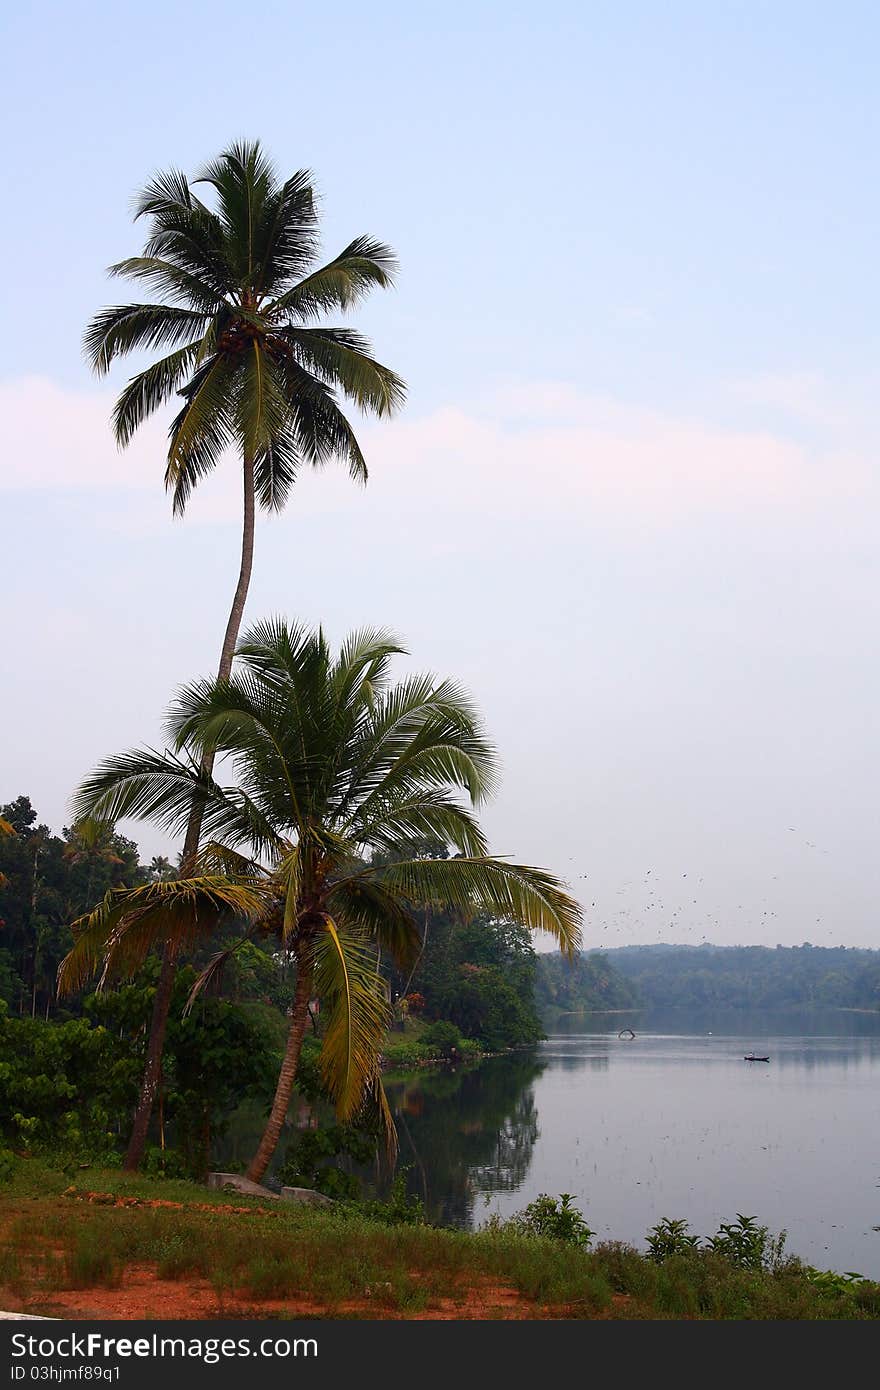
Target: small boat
750,1057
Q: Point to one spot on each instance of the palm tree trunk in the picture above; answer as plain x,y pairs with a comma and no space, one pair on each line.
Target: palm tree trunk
281,1103
162,998
236,613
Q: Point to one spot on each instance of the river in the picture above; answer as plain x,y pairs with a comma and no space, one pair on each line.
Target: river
671,1123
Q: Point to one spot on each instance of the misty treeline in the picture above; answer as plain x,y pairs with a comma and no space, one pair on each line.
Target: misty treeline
753,977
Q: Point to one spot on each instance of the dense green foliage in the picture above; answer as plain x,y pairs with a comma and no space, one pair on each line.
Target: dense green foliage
68,1088
743,1243
551,1218
478,974
755,977
46,881
71,1070
587,982
751,976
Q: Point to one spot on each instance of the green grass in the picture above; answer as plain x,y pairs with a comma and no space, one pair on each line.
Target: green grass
338,1258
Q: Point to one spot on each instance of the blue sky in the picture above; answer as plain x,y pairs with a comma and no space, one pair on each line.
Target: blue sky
633,498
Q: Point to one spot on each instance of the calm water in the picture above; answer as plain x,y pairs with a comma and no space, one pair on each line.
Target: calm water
674,1123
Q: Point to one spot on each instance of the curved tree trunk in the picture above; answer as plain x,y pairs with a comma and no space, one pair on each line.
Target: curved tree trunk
299,1017
165,987
236,612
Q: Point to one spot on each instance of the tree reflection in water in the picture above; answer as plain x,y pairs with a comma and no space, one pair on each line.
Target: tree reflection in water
466,1131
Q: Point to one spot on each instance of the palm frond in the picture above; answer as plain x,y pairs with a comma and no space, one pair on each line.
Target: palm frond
288,874
261,405
341,358
121,931
244,182
144,785
365,905
276,468
215,858
357,1015
287,236
164,277
213,971
201,431
116,331
184,231
167,190
531,897
421,734
149,390
426,813
363,265
319,429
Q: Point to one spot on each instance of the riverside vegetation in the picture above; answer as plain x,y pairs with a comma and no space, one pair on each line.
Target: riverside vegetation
129,1246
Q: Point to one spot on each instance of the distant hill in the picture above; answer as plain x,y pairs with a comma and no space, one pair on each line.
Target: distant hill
752,976
717,976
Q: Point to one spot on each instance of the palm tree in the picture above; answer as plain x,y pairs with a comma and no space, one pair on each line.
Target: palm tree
335,774
241,293
91,841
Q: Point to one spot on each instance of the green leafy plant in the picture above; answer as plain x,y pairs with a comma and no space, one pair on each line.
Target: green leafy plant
668,1238
554,1218
747,1245
831,1282
443,1039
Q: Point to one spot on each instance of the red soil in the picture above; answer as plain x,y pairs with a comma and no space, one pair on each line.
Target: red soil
143,1295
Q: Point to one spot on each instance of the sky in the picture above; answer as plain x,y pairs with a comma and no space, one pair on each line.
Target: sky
633,500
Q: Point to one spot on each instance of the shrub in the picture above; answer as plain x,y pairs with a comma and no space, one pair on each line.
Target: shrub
747,1245
311,1160
626,1269
443,1039
398,1209
669,1238
556,1219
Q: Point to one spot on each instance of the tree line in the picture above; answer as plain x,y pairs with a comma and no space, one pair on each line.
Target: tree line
754,977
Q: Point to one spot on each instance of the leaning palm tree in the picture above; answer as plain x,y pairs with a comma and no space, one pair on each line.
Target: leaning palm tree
240,296
335,773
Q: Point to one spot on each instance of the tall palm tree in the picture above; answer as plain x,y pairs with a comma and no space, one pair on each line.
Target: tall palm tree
335,774
241,294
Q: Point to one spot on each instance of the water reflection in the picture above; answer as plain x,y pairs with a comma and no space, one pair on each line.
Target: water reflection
466,1132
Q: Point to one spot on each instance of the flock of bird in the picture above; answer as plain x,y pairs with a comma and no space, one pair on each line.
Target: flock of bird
671,900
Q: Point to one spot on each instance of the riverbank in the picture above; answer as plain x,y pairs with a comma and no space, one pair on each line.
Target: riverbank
113,1246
